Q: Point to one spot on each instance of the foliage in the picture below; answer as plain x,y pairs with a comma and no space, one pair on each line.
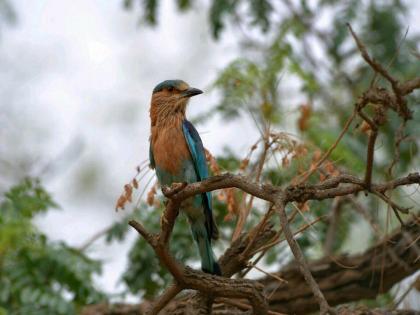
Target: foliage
7,13
38,276
220,11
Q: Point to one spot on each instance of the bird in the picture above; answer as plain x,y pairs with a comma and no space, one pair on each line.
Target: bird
177,155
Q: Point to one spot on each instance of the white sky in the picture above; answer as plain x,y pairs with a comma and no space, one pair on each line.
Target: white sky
82,72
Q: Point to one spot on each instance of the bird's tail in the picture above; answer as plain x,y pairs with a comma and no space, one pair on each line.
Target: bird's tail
203,241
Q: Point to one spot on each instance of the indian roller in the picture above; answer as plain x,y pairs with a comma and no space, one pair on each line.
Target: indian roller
177,155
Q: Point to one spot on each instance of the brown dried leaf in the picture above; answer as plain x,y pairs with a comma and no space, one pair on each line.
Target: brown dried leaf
244,164
221,195
151,196
135,183
128,190
214,167
317,155
231,204
365,127
305,115
299,151
228,217
285,162
304,207
329,168
120,203
336,172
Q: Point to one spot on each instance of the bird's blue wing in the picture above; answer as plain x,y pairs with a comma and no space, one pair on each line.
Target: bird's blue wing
151,157
198,155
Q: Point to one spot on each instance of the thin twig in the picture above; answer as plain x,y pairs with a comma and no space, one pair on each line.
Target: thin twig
403,110
243,215
330,150
267,273
370,157
303,265
164,299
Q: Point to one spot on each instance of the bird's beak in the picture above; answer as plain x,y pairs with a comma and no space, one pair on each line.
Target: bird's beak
191,92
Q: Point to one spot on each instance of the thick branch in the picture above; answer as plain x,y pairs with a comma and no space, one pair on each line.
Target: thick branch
327,189
347,278
343,279
262,191
164,299
409,86
331,188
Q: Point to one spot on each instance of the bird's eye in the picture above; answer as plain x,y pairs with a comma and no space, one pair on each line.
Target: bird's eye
171,89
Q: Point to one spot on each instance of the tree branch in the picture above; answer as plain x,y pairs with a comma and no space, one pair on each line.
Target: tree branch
303,266
342,279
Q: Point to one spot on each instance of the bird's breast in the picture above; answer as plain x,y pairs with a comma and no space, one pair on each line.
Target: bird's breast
170,149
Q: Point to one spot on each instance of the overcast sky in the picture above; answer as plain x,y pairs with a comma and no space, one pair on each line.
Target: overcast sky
75,84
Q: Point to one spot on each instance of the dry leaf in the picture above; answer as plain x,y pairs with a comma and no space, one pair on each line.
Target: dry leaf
304,207
244,164
221,195
365,127
135,183
317,155
120,203
231,204
214,167
151,196
128,192
329,168
285,161
228,217
305,114
299,151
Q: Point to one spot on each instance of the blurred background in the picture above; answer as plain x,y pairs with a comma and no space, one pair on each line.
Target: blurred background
75,84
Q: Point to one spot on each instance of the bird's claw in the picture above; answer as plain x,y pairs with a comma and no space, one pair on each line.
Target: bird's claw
174,189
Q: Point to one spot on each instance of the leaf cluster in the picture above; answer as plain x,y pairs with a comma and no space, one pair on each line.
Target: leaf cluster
38,276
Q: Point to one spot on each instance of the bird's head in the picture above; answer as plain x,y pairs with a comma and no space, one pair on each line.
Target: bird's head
170,98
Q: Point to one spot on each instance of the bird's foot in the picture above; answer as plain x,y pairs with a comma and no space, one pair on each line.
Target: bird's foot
174,189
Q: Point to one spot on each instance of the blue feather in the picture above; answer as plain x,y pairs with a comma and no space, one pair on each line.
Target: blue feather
198,155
